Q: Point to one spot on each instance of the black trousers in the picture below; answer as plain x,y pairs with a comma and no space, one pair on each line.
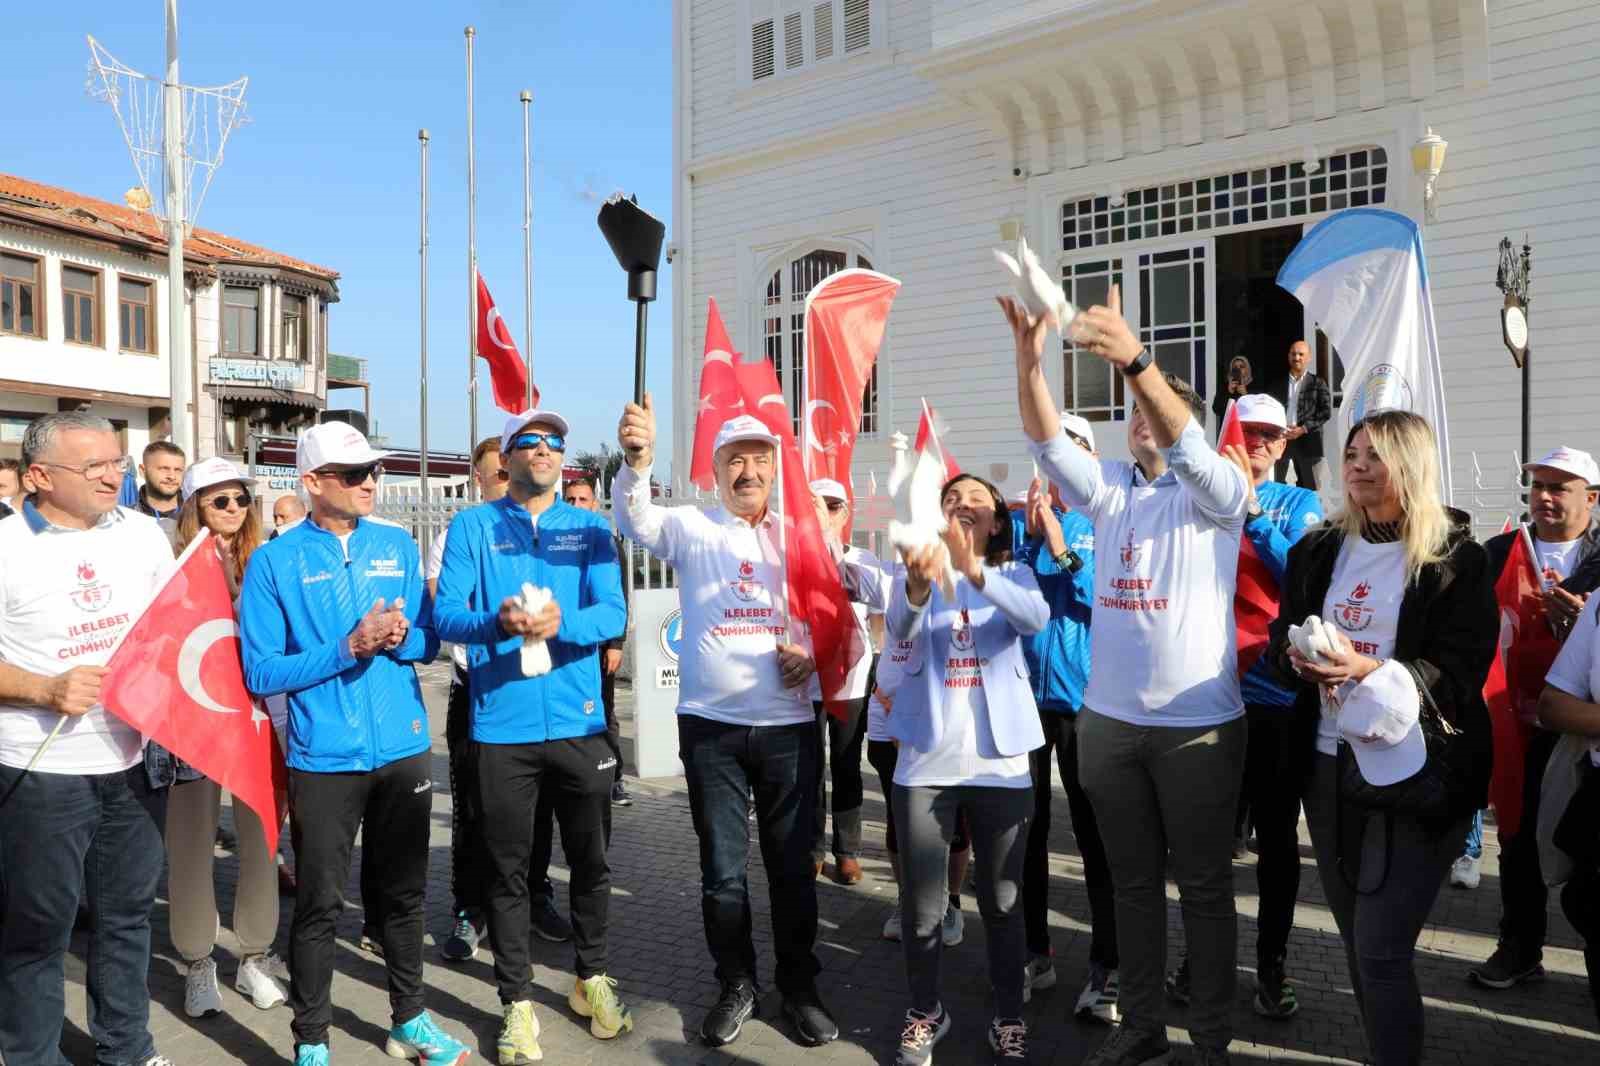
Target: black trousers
608,696
843,740
1061,735
391,806
576,777
1305,467
1274,773
1523,895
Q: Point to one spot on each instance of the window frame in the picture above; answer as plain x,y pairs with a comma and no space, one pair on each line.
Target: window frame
152,324
227,311
302,330
40,321
97,305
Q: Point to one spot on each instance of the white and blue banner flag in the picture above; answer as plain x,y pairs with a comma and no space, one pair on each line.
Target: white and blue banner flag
1362,278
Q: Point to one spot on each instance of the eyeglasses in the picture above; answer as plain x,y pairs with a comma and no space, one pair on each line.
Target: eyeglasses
528,441
352,478
220,501
835,505
97,469
1266,433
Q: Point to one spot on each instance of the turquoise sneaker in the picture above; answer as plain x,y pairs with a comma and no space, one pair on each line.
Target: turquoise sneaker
311,1055
424,1041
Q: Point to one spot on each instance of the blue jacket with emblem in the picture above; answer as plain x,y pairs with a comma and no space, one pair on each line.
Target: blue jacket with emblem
1058,655
1288,513
491,551
303,595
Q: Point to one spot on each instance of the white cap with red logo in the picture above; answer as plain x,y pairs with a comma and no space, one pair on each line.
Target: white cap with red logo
214,471
743,427
334,444
826,488
1379,719
1570,461
517,423
1260,409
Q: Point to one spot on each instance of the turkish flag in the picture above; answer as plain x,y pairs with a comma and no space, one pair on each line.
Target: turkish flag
845,317
178,679
811,577
506,369
928,440
1255,596
1528,648
720,397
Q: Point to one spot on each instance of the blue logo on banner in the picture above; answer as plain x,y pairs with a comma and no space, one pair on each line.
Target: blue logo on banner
671,636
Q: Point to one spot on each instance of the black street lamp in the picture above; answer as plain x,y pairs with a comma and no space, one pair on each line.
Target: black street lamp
635,237
1512,279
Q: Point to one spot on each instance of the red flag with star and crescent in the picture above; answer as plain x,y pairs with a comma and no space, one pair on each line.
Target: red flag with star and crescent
1255,596
507,372
846,314
177,677
720,396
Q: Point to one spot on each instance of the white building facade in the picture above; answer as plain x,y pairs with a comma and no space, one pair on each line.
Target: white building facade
1177,147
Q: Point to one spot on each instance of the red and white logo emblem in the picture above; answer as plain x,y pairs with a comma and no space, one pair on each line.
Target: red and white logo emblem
1132,553
1352,614
961,637
90,595
747,588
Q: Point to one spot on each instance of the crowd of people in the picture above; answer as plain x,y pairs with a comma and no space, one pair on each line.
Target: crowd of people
1010,647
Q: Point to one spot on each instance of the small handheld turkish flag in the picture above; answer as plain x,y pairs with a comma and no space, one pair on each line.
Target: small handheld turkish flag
506,369
178,679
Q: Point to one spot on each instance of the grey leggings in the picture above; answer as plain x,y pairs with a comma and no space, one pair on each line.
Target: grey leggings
926,820
1380,925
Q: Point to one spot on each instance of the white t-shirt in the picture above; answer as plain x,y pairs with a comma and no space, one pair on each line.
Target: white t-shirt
1573,672
67,597
1556,555
458,652
1363,601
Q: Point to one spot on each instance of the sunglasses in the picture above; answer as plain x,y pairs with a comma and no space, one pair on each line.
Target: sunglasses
835,505
528,441
220,501
352,478
1266,433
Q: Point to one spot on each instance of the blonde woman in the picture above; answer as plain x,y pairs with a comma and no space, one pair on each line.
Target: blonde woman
216,497
1411,595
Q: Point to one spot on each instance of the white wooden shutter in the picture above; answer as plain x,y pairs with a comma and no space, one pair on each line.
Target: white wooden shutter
762,56
794,42
822,26
857,25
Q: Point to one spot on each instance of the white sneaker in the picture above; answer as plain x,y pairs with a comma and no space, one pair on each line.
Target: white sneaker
954,927
891,926
257,983
158,1060
1464,873
201,996
1039,974
1100,996
274,966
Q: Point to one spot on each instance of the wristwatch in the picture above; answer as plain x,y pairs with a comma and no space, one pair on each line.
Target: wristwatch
1253,511
1140,363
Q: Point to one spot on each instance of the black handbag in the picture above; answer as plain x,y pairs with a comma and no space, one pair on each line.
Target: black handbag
1430,793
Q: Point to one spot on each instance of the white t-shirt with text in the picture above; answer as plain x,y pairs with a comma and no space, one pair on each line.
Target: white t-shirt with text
1573,672
1363,601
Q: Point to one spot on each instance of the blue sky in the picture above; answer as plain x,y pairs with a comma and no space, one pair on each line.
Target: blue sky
326,169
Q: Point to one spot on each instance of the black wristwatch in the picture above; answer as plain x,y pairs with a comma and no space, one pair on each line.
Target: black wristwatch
1139,364
1253,511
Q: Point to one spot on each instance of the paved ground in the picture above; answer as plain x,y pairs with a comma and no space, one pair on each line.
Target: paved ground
659,956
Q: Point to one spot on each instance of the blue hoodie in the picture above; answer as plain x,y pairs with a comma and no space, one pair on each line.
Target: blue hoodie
302,597
491,551
1288,512
1058,655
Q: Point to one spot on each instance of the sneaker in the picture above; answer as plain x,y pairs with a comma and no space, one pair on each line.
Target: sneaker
1507,967
1464,872
372,940
518,1042
734,1007
847,870
548,922
1008,1039
311,1055
1100,995
257,984
154,1060
891,925
463,943
1131,1047
1178,983
1274,993
201,995
813,1024
596,999
1038,976
424,1041
619,795
921,1032
274,966
954,926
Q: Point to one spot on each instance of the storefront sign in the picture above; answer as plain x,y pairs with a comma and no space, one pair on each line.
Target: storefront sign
277,478
257,372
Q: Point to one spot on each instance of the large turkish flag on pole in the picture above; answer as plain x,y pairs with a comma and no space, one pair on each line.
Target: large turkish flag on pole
506,369
1527,650
177,678
1255,597
720,397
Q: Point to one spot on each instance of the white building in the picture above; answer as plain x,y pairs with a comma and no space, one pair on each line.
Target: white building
83,324
1181,146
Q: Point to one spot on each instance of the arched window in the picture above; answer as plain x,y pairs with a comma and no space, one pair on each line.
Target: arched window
783,326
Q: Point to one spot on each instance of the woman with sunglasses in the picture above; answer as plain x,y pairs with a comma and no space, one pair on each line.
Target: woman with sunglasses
1410,600
965,718
217,498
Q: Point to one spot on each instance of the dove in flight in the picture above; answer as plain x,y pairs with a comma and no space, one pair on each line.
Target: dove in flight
1037,290
914,484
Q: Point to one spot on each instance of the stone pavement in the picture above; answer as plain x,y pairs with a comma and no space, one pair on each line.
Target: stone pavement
659,956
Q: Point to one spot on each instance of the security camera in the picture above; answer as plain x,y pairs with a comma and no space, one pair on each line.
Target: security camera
672,252
1016,172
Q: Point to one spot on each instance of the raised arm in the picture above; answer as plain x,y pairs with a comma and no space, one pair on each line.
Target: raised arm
639,519
1219,488
1072,469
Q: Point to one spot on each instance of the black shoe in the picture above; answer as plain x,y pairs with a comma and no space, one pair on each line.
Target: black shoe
1177,983
1509,965
619,795
736,1006
547,921
811,1020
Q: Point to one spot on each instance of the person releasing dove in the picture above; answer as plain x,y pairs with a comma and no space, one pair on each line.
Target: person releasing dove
1037,291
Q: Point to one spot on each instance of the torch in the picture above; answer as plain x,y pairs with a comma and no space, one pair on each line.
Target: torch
635,237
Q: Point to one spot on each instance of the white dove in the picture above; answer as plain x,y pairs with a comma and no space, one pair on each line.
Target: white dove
535,656
1316,640
914,484
1038,292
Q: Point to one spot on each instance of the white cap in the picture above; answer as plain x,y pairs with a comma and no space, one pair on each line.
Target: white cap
1078,426
828,489
1570,461
1261,409
743,427
209,472
1379,721
517,423
334,444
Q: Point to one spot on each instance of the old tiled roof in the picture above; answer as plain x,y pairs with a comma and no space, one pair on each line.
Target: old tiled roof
61,207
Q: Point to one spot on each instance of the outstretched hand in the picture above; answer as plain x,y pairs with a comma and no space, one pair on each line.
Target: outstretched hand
1027,332
636,433
1106,334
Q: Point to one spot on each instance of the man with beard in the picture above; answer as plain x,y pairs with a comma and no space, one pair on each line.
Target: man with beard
161,466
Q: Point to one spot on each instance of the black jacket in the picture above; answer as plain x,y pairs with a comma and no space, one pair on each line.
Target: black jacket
1315,407
1449,628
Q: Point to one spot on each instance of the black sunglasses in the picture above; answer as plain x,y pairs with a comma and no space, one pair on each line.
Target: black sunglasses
351,478
528,441
835,505
220,501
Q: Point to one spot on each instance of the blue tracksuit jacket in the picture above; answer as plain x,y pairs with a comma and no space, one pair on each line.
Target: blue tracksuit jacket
1288,512
1058,655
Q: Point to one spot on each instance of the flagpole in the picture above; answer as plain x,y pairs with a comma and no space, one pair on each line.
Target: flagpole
472,274
422,325
527,243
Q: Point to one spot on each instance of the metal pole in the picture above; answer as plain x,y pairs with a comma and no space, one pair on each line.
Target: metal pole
638,351
527,243
422,304
1527,416
472,275
181,383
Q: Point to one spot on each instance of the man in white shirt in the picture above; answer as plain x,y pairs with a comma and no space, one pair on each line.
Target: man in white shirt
745,724
1162,734
76,571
